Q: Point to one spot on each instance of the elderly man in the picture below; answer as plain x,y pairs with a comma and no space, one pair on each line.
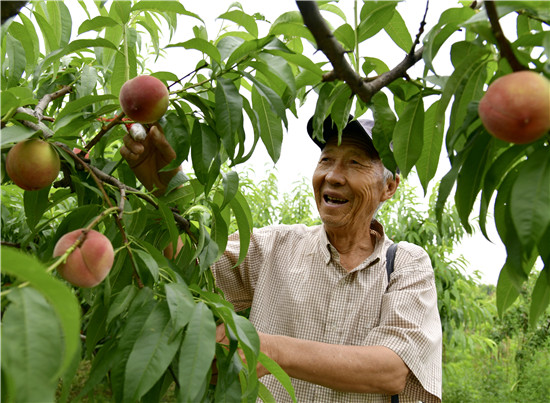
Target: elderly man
320,297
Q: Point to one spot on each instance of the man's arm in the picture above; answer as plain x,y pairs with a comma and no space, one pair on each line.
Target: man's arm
359,369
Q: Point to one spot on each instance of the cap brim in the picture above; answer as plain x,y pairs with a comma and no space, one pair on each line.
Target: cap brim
357,127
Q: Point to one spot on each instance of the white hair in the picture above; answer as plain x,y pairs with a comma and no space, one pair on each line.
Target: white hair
388,175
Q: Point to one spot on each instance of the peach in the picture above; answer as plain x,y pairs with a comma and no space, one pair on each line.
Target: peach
32,164
88,264
516,107
144,99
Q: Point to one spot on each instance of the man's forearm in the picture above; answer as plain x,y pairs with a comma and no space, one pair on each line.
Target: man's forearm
361,369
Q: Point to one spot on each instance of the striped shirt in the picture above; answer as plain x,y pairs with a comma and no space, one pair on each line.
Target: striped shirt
295,286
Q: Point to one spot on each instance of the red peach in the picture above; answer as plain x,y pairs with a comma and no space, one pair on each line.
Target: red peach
144,99
516,107
89,263
32,164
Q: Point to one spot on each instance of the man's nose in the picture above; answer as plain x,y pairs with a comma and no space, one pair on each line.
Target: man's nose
336,175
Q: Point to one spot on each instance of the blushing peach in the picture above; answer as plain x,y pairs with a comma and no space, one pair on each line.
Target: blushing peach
88,264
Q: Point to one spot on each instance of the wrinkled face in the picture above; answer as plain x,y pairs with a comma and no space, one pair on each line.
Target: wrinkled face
348,184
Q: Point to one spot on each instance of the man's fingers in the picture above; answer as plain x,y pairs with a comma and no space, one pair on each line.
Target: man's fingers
157,138
132,146
220,334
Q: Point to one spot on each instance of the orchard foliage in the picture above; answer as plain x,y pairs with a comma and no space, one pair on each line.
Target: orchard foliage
151,323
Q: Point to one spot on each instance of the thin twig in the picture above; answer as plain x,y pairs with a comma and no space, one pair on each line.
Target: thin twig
503,43
117,120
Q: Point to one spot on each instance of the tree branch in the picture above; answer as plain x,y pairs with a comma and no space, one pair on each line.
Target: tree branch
329,45
117,120
503,43
46,99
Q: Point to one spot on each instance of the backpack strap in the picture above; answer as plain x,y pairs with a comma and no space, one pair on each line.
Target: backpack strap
390,260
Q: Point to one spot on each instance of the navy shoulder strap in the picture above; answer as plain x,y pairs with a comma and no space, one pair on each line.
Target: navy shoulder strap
390,259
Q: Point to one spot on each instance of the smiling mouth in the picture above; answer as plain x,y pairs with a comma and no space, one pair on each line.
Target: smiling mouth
334,200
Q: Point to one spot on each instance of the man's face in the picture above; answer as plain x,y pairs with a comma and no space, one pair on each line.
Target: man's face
348,184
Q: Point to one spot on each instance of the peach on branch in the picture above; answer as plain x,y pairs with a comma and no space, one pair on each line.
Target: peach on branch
144,99
89,263
32,164
516,107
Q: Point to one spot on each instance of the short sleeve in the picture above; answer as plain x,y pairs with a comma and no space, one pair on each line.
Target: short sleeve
410,324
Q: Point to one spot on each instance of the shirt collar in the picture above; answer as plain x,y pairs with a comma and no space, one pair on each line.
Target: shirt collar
376,229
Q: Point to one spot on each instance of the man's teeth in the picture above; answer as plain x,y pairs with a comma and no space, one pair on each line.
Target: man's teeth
330,199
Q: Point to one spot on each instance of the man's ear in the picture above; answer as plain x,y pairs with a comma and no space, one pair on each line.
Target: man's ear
391,186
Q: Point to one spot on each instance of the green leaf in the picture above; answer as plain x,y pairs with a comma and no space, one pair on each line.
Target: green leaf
507,291
66,23
291,25
74,46
229,112
35,204
88,81
408,135
32,345
470,178
299,60
205,147
122,302
244,223
271,96
230,181
147,266
165,6
447,25
246,21
426,166
321,108
196,354
271,131
471,89
140,309
51,41
152,352
181,304
65,304
123,70
219,231
20,32
14,134
382,132
246,50
96,24
177,134
530,197
278,372
493,177
374,17
398,32
341,107
30,29
540,298
461,73
169,222
201,45
16,60
346,35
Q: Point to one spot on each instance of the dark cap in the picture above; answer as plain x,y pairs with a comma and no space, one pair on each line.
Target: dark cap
357,127
361,128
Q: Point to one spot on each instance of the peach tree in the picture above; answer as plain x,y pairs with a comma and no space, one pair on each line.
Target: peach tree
149,326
